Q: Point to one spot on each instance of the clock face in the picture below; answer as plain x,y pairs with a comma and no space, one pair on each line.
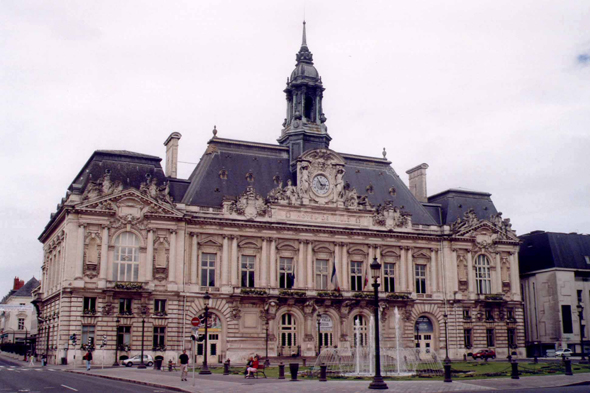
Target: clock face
320,185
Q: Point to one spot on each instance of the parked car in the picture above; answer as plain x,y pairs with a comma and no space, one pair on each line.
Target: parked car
485,354
563,352
147,360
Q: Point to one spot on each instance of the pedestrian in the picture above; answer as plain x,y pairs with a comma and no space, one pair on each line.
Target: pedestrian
183,359
88,358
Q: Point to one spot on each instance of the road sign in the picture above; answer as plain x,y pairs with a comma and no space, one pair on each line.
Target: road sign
195,321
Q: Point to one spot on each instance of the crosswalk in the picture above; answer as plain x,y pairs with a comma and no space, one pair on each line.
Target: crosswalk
20,369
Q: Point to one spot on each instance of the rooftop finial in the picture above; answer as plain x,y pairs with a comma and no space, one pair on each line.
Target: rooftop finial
304,40
214,131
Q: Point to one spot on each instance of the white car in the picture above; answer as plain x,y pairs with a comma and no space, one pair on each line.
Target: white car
563,352
147,360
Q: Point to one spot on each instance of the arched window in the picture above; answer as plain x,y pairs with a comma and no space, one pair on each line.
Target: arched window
360,330
288,332
126,260
482,275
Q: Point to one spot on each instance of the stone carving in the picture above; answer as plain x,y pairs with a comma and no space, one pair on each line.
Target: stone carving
303,178
309,307
390,216
470,220
339,185
158,193
345,308
350,197
160,273
107,309
102,187
250,204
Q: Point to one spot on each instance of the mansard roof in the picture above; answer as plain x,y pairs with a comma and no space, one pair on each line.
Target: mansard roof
24,291
454,202
545,250
225,167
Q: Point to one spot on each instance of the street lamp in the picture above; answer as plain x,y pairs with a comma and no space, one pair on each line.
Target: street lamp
378,382
580,317
116,363
266,361
447,365
205,369
319,318
143,316
508,340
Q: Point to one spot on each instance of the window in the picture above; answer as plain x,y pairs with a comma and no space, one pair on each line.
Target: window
356,276
87,336
21,324
160,307
587,258
123,336
159,341
321,274
125,307
126,263
208,269
566,319
420,278
510,315
467,338
482,275
286,274
489,315
579,296
248,271
389,277
490,338
359,324
512,338
466,313
288,331
89,305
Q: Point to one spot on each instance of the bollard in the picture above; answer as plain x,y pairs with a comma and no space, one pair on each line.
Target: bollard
281,370
323,369
294,369
568,366
514,374
226,367
447,367
304,361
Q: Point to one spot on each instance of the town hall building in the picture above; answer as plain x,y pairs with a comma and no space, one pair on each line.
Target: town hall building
278,235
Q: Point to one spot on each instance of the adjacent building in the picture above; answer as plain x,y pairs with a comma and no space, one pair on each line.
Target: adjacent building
18,317
555,279
279,235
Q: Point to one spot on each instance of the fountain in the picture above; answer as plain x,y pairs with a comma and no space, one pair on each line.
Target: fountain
395,361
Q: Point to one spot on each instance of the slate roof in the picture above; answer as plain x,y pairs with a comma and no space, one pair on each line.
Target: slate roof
454,202
544,250
25,291
265,161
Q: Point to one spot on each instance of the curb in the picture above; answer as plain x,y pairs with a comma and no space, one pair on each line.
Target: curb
156,385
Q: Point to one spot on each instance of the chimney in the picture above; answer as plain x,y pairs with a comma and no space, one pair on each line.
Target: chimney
172,154
18,284
418,182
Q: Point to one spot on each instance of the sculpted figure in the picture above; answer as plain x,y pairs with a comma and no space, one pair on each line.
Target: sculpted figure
304,180
339,186
291,192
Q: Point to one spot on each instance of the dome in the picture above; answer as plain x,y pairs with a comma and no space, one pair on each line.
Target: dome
305,70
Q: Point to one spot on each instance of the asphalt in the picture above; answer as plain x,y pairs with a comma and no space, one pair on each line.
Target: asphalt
217,383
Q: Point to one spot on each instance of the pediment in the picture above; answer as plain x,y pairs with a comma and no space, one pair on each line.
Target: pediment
130,202
249,243
421,254
325,155
487,231
210,241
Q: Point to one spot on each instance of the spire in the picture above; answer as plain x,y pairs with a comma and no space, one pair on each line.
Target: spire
304,55
304,40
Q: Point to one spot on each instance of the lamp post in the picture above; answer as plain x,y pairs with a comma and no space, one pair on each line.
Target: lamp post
116,363
319,318
378,382
266,361
205,369
509,357
447,365
143,315
580,317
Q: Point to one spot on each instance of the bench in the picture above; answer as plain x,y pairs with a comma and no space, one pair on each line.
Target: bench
171,367
260,369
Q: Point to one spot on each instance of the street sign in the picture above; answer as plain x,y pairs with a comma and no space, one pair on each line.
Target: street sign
195,321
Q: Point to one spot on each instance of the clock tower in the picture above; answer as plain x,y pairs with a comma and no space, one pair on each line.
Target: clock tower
304,127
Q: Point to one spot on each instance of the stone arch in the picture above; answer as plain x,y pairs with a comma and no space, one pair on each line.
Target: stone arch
436,317
299,323
218,307
142,241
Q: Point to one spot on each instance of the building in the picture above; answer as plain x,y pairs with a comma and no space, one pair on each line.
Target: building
555,279
279,235
18,317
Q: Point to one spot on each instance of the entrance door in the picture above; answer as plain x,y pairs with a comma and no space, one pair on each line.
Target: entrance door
424,337
288,335
213,340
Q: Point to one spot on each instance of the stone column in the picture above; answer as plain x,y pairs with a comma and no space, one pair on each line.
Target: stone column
309,264
149,258
194,258
514,280
498,286
337,262
470,275
410,270
345,270
80,262
402,270
172,263
264,264
273,263
235,263
225,272
452,279
300,275
433,271
104,253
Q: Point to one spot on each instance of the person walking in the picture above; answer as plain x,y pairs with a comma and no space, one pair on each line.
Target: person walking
88,358
183,359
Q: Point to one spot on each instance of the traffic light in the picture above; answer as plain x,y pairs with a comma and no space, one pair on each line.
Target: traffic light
201,338
90,342
73,339
104,341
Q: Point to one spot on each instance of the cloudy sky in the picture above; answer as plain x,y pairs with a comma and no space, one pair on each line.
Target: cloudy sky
493,95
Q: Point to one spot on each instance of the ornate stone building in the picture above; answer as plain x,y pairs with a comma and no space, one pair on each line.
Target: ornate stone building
278,235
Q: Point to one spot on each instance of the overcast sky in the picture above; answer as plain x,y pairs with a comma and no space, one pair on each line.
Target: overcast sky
493,95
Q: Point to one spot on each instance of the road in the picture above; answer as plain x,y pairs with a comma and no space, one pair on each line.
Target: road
17,378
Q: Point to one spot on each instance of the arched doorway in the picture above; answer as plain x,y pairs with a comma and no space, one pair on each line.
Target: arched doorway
360,323
424,336
326,331
288,335
214,332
